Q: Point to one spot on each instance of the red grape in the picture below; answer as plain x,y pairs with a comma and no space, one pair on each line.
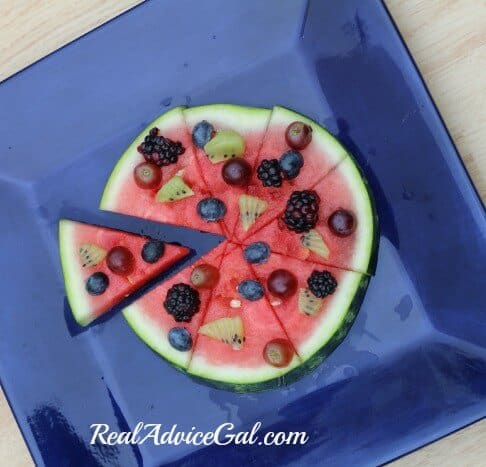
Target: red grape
147,175
282,283
236,172
204,276
120,261
278,353
298,135
342,222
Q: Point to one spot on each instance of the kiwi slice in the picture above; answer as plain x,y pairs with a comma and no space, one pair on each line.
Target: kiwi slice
91,254
227,330
251,208
314,242
308,303
174,190
225,145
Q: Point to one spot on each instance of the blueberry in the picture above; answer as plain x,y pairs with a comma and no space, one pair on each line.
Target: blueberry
211,209
251,290
202,133
180,339
291,162
152,251
257,253
97,283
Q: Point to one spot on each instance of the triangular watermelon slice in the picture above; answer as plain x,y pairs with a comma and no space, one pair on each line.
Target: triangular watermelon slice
78,266
244,369
343,188
249,122
151,321
322,154
317,329
124,196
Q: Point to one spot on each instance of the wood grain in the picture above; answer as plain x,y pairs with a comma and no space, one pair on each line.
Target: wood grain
447,39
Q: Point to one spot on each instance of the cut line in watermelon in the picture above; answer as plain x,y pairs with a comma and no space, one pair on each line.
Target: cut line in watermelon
85,307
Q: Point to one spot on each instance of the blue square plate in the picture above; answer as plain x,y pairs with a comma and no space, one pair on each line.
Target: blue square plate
413,367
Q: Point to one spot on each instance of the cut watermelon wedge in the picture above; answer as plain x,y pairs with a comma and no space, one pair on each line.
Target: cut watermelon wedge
316,336
123,195
216,362
249,122
75,235
343,188
320,156
152,323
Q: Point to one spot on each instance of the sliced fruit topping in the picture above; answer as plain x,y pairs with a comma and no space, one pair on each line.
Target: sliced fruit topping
226,144
202,133
251,290
290,163
91,254
251,208
282,283
342,222
159,150
174,190
97,283
147,175
205,276
308,303
278,353
302,211
227,330
180,339
313,241
236,172
269,173
182,302
257,253
298,135
152,251
211,209
322,283
120,260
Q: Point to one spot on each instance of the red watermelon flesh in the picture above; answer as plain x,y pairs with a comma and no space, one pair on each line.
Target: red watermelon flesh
309,333
251,123
150,320
216,360
336,191
124,196
86,307
320,156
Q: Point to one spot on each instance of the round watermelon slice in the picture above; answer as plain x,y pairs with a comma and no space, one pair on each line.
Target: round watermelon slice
232,329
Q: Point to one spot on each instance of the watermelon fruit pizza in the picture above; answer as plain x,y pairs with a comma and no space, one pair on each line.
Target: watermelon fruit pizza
277,296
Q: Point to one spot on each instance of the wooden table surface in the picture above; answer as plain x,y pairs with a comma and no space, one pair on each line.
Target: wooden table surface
448,41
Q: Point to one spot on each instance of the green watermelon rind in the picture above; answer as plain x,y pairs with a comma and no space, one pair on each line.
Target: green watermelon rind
73,280
124,165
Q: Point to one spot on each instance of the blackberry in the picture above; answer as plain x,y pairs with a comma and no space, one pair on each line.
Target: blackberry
321,283
269,172
159,150
302,211
182,302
